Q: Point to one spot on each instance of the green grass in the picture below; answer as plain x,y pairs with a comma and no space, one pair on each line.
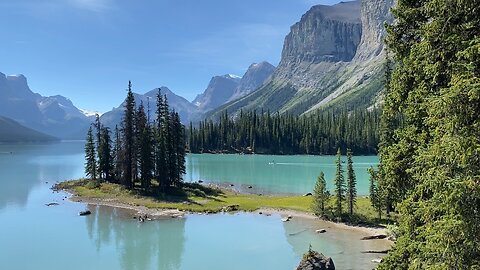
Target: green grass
197,198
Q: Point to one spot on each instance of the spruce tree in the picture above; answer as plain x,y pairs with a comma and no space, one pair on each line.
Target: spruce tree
128,139
375,195
161,168
351,183
105,159
145,144
179,148
432,159
90,157
339,185
320,196
117,157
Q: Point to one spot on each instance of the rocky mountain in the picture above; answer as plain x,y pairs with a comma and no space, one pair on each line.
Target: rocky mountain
256,75
218,92
12,132
187,111
55,116
333,57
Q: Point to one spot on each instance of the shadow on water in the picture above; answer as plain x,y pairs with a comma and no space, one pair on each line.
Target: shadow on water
147,245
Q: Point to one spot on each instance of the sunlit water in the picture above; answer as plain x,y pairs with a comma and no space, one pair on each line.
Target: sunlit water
35,236
274,174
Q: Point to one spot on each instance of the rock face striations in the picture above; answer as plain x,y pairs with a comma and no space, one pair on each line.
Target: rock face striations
333,57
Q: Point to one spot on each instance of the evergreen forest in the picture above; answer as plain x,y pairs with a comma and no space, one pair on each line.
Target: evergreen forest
143,154
263,132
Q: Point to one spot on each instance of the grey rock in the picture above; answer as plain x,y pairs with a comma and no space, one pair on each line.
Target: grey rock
313,260
255,77
219,91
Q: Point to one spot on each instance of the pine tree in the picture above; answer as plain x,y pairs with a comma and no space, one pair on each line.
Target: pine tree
351,183
432,160
339,185
375,196
320,196
117,156
145,144
90,157
179,147
105,159
161,168
128,139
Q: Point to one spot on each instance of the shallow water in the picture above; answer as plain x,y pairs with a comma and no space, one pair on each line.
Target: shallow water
34,236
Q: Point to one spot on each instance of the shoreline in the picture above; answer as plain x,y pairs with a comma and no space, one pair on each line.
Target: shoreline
165,213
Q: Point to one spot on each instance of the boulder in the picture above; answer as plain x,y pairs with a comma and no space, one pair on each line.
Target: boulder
313,260
231,208
308,194
321,231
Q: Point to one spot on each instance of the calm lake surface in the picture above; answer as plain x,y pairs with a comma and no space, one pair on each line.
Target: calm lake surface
274,174
34,236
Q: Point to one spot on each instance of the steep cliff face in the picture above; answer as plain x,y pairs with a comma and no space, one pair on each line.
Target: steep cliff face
325,33
333,57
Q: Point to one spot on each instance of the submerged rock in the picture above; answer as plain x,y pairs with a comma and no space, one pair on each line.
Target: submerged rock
313,260
84,213
51,204
373,237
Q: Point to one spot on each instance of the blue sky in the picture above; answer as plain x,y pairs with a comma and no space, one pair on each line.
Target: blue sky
87,50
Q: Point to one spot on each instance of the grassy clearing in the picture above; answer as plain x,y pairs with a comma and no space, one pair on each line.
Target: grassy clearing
198,198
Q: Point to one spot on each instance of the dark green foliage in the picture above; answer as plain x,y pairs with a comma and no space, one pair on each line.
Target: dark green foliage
105,158
147,155
429,152
144,139
351,183
319,133
90,157
128,139
339,183
117,154
320,196
375,195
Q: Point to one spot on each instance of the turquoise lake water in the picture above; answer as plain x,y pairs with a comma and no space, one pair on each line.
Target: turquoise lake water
274,174
34,236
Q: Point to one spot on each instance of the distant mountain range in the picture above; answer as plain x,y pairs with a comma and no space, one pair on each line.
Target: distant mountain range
332,58
55,115
13,132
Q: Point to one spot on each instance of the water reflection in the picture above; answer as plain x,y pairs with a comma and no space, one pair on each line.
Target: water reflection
26,166
148,245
